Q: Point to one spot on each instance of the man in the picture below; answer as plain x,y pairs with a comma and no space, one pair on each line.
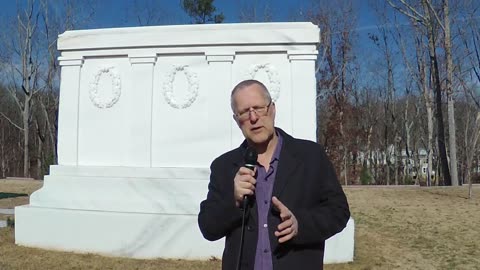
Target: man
297,200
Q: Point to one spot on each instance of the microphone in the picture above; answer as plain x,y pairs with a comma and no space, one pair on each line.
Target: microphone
250,158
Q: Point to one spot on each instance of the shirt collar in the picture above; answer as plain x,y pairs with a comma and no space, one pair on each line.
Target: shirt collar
276,153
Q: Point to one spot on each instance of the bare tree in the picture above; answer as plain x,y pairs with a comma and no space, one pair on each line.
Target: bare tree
10,136
422,82
427,16
410,113
3,157
450,97
368,117
148,13
471,135
336,82
31,71
24,77
470,37
418,71
390,124
254,11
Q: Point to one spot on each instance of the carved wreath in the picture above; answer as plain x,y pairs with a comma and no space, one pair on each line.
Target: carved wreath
192,92
273,78
109,101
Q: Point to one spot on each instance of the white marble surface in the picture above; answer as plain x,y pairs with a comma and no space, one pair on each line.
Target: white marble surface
340,247
198,36
125,234
169,191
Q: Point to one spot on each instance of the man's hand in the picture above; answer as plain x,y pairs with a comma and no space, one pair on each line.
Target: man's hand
289,226
244,184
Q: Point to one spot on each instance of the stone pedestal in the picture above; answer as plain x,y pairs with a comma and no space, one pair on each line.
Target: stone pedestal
143,111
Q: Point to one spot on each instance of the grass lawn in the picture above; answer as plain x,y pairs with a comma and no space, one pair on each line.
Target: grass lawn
396,228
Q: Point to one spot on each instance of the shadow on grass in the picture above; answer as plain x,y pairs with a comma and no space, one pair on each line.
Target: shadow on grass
4,195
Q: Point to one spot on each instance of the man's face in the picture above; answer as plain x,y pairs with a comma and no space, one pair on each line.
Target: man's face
257,127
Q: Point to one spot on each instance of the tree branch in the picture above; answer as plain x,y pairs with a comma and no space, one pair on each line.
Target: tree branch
477,55
11,122
417,16
413,9
468,92
435,14
15,98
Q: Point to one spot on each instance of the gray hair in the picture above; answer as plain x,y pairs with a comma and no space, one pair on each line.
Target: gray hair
247,83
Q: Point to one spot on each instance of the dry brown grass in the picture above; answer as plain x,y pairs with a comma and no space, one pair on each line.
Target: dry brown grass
23,258
23,188
396,228
414,228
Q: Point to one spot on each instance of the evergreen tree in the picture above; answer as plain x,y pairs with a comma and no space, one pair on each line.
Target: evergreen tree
202,11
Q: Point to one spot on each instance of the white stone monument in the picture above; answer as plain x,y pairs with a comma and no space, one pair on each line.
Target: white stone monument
143,112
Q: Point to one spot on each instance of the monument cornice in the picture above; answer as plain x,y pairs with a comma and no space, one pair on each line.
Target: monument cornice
191,35
70,61
142,58
302,55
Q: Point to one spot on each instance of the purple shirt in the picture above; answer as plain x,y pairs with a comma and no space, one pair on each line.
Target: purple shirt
263,193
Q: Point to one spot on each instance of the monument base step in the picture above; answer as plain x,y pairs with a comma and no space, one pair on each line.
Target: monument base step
136,235
340,247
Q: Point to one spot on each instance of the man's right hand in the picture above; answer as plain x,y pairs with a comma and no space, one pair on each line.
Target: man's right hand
244,184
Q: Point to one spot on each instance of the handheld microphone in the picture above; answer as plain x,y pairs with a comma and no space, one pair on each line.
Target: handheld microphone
250,158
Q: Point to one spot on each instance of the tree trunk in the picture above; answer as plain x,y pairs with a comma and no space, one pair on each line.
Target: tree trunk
388,167
428,99
2,155
408,126
395,164
430,144
26,142
471,144
51,131
345,169
344,152
369,157
438,96
450,99
40,155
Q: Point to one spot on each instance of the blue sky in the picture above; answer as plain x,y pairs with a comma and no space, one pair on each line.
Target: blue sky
228,7
120,13
111,13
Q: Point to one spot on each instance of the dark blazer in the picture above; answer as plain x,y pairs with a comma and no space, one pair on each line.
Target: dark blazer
305,182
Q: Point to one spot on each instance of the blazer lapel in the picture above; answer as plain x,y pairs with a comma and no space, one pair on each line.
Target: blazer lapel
287,165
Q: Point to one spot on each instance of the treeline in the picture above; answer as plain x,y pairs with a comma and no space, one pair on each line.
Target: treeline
406,109
41,134
29,83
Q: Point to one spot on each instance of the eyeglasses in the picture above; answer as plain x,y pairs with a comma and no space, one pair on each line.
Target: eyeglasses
258,110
